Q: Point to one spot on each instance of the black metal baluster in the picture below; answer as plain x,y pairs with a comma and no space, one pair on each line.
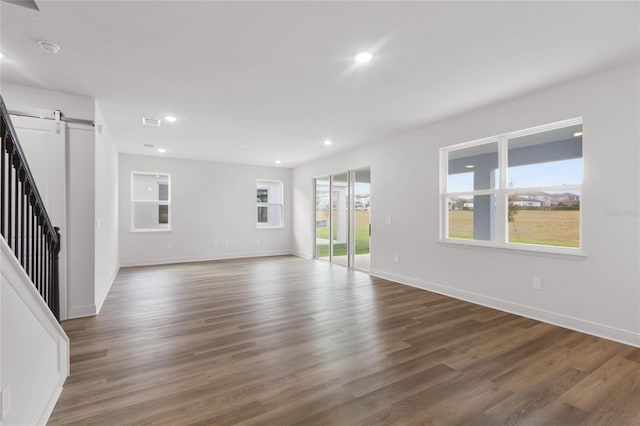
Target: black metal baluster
22,223
9,177
16,212
27,232
41,261
38,286
56,274
31,240
45,265
3,169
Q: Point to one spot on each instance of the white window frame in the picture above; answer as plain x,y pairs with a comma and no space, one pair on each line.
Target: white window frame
502,193
158,202
261,225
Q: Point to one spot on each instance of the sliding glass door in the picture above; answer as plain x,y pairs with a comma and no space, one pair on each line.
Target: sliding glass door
362,218
322,215
342,218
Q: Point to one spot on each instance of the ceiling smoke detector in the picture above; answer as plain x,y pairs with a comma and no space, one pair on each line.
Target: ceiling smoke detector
147,121
47,46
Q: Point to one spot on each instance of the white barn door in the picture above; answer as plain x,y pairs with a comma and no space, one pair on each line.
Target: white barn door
44,144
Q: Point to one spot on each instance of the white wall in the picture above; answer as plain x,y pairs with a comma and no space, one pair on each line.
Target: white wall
599,294
106,209
81,292
80,152
34,350
213,212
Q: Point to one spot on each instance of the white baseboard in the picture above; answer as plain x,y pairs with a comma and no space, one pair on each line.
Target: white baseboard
205,258
106,292
41,417
81,311
561,320
301,254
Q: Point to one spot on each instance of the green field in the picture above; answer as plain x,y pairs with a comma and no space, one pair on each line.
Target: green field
544,227
362,237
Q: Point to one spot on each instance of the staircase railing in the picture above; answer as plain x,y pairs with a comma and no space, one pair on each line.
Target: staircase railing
24,222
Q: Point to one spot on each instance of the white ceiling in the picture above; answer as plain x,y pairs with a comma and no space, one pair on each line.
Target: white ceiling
252,82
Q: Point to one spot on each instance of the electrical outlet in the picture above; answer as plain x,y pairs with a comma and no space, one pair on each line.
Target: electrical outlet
536,283
258,242
168,245
226,243
388,220
396,258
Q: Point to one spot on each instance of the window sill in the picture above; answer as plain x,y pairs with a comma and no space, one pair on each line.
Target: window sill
577,254
269,227
148,230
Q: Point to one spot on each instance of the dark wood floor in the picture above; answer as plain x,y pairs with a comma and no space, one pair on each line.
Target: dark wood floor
283,340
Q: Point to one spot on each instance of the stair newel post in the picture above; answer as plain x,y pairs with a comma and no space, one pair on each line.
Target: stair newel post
56,274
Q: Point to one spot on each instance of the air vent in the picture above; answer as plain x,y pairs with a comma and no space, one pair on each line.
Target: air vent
149,145
151,121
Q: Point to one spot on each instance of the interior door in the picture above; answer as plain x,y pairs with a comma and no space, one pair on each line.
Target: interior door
43,142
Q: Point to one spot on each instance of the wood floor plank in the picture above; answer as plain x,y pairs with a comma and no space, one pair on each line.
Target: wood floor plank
283,340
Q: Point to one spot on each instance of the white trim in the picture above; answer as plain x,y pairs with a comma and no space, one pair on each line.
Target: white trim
42,414
303,255
82,311
579,252
599,330
204,258
14,273
271,204
106,293
502,192
168,202
543,128
20,282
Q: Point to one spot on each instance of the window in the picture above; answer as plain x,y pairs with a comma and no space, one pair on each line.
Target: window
150,202
517,190
269,203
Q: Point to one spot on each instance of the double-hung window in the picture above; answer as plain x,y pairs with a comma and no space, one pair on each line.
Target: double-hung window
517,190
150,201
269,204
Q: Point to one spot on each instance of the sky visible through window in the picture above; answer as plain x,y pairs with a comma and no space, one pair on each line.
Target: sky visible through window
565,172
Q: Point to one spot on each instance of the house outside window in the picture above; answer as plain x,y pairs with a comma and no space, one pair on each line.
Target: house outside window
269,202
150,202
517,190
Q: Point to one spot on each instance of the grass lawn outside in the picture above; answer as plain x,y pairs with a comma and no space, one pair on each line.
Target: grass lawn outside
362,237
542,227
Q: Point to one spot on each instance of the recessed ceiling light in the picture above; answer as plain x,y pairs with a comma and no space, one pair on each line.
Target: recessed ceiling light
363,57
469,166
328,142
170,118
162,150
576,134
47,46
278,161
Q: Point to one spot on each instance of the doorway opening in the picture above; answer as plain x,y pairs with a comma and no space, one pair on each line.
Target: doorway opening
343,218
